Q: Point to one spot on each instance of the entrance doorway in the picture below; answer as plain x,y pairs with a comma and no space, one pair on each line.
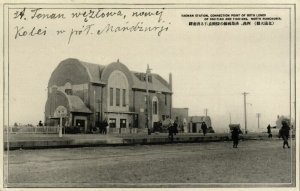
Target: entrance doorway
81,124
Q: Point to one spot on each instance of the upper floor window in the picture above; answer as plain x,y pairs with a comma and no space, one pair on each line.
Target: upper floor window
124,97
68,91
166,99
155,106
117,97
150,78
120,85
68,88
111,96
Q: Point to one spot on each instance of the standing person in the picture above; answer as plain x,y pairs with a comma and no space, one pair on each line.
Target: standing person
269,131
171,131
100,127
285,133
204,128
235,136
40,124
105,124
175,127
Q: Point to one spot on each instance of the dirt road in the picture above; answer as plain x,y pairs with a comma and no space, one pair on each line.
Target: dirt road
254,163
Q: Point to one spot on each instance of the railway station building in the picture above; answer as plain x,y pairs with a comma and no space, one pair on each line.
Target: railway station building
83,94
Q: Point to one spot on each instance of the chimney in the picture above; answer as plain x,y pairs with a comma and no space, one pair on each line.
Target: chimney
170,81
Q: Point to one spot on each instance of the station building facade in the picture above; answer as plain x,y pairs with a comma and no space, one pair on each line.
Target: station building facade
87,93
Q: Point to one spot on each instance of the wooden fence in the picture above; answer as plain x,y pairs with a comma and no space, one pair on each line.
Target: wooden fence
37,130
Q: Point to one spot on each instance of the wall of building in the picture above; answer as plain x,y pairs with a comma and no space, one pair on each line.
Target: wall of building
95,103
140,106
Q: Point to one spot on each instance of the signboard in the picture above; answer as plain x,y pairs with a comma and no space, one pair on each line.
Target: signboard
60,111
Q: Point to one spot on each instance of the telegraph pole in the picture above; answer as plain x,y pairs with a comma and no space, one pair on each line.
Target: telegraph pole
258,116
147,97
245,111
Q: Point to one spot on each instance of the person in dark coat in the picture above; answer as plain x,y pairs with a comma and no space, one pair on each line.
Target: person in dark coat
175,127
171,132
269,131
235,135
104,126
40,123
285,133
204,128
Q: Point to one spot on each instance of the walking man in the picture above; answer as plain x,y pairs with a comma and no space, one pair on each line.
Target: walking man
204,128
269,131
235,136
285,133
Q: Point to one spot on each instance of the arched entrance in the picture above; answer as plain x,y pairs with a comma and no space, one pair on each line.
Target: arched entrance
155,109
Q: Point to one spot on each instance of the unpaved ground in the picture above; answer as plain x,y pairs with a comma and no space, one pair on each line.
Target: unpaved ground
156,165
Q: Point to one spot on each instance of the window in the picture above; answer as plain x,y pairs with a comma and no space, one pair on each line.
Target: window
68,91
150,78
111,96
143,77
124,97
122,123
112,122
163,117
166,100
154,107
117,97
68,88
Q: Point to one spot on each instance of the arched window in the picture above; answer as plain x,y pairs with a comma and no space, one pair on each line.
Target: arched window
68,88
118,91
155,106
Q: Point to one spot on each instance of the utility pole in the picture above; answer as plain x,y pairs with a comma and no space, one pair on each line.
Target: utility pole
229,118
205,111
258,116
147,97
245,111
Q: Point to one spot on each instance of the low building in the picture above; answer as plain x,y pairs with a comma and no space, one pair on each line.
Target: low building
88,93
195,123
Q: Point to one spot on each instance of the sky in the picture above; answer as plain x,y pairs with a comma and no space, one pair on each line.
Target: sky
211,66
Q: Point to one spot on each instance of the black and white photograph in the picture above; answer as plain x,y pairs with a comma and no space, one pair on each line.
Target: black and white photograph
149,95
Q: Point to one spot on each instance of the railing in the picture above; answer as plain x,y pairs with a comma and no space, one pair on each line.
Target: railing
126,130
37,130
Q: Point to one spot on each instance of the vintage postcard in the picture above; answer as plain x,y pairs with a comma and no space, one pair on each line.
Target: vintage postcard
149,95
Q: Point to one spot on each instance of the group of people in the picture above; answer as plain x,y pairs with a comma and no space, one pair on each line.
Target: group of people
103,127
173,130
284,132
